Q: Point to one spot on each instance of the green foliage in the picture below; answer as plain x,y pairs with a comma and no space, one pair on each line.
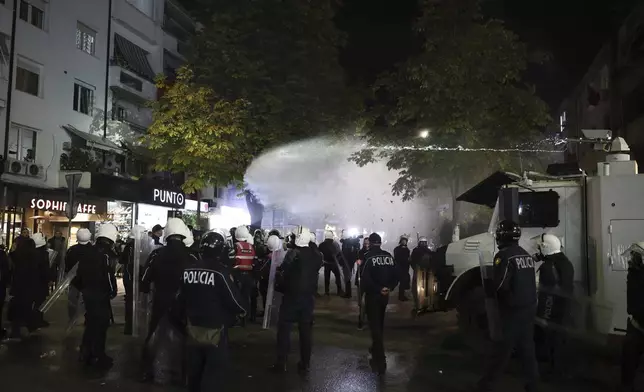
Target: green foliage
465,88
190,219
79,159
198,132
274,67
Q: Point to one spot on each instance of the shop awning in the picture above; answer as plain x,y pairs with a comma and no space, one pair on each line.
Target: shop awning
486,192
135,57
93,141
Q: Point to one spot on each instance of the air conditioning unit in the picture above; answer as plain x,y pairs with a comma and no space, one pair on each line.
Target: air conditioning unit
14,166
67,146
35,170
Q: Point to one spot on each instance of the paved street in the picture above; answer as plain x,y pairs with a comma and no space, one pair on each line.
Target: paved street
423,355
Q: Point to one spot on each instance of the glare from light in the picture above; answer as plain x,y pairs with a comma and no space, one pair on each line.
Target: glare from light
353,232
424,133
229,217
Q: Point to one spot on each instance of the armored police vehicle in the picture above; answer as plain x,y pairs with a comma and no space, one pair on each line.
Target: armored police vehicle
596,218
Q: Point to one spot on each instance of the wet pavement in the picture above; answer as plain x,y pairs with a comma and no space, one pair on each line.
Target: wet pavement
426,354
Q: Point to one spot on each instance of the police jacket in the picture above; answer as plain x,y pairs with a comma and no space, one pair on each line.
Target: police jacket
514,278
165,268
401,256
329,251
635,293
95,274
25,277
299,271
126,258
208,296
379,271
350,249
556,273
421,257
5,273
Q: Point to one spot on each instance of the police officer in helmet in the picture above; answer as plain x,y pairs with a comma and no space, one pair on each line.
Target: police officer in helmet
514,285
633,345
210,301
379,278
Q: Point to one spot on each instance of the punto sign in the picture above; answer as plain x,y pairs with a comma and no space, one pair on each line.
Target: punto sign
55,205
166,197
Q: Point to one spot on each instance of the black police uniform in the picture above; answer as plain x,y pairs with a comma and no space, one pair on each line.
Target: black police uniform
556,276
297,280
633,345
127,261
331,265
210,301
164,269
362,255
5,279
401,259
514,283
74,254
97,283
379,272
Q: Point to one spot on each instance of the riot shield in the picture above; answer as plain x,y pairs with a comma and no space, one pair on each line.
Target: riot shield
142,248
52,256
425,290
273,298
491,303
60,290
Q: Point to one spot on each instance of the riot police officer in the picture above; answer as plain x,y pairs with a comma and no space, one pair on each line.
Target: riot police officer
210,301
401,258
514,285
379,278
633,345
96,281
298,277
332,259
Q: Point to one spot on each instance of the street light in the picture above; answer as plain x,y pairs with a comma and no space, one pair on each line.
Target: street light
424,133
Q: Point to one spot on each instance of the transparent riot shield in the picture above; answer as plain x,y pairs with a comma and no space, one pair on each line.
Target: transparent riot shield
273,298
425,290
491,303
60,290
142,248
52,256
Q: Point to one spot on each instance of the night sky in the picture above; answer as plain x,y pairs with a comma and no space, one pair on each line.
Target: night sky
572,31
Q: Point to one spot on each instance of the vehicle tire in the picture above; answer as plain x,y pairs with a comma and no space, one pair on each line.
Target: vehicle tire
471,314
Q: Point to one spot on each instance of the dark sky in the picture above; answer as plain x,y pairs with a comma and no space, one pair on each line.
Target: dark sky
572,31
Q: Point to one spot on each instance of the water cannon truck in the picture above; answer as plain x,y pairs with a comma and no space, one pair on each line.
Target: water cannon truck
596,218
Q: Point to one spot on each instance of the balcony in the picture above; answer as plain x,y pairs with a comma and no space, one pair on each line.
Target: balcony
128,86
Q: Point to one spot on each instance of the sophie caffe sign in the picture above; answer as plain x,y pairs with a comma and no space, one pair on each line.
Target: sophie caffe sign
61,206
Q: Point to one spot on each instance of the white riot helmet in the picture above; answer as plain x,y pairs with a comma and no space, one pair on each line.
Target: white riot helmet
83,236
273,243
314,237
303,238
549,245
107,231
328,235
423,239
175,227
190,239
242,233
39,240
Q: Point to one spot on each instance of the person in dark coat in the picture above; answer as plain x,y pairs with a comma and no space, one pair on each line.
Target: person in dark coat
43,276
25,286
5,280
79,251
401,259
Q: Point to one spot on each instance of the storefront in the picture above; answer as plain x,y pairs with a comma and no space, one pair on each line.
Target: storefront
43,211
157,204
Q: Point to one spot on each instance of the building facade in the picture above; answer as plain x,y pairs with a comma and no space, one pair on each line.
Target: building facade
610,95
77,102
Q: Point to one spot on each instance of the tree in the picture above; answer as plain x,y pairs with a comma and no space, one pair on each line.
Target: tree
274,67
465,89
197,132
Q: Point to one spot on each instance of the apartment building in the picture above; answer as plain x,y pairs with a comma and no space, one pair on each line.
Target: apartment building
610,95
83,76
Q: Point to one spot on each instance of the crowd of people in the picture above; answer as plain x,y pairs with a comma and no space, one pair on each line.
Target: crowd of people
205,287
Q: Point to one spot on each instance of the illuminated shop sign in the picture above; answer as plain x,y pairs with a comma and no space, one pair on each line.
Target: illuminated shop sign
168,198
55,205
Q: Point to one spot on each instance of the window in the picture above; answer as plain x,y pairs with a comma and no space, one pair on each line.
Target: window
27,78
131,81
83,99
85,38
145,6
539,209
22,143
119,113
32,14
